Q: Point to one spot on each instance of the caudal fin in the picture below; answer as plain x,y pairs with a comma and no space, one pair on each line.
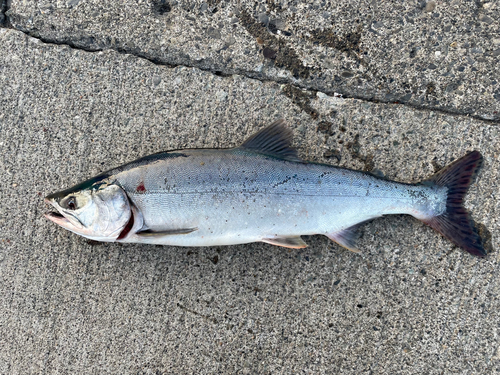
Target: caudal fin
455,223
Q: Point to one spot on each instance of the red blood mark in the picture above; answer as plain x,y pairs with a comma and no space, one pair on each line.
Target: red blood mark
141,188
127,227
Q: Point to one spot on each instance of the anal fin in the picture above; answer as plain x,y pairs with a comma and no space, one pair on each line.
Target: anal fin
347,237
151,234
294,242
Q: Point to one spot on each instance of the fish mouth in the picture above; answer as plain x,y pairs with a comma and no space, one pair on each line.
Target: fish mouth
58,217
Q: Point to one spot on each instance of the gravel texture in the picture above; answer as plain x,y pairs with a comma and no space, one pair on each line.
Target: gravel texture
410,303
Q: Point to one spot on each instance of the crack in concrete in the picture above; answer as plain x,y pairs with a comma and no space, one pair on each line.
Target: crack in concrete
206,317
289,90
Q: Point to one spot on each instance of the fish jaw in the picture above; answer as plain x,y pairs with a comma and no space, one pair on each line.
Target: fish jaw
68,225
60,218
77,229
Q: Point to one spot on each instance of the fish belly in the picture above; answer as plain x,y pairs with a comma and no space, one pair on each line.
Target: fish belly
236,218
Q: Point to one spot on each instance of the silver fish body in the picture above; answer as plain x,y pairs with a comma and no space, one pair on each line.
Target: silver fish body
260,191
236,196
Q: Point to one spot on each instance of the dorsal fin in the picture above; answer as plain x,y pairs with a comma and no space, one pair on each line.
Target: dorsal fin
275,140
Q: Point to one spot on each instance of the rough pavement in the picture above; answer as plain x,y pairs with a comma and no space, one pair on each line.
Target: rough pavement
120,82
436,55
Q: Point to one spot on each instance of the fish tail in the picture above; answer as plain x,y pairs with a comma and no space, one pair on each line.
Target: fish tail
455,223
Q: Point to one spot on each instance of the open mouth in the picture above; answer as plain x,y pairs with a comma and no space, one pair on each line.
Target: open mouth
55,215
57,218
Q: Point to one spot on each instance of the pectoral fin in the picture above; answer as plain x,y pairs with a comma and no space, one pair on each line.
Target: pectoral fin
291,242
151,234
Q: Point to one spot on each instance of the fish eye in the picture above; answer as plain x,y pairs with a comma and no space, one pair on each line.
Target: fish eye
70,203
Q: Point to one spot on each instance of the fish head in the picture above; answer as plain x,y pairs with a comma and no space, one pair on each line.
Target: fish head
99,212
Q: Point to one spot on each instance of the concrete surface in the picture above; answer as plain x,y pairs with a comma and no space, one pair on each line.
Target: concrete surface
436,54
410,303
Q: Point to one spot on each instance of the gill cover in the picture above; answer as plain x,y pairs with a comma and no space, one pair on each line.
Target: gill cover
99,212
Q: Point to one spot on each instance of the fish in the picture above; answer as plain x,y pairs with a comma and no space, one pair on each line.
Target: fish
260,191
